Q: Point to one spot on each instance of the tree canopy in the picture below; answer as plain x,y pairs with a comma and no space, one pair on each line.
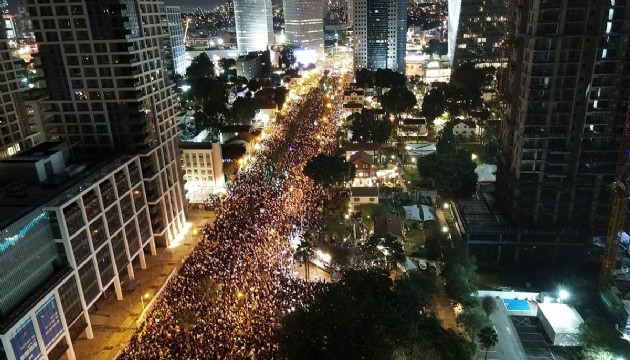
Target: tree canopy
329,170
201,66
434,104
244,110
600,340
368,316
453,172
385,78
398,100
366,127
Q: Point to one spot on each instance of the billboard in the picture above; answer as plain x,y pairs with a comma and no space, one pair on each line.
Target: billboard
24,342
49,321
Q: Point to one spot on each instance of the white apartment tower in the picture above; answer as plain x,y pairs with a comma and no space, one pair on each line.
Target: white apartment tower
304,24
379,34
174,47
109,91
254,25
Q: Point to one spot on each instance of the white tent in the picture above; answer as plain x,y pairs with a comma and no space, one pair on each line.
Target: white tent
413,213
486,173
561,322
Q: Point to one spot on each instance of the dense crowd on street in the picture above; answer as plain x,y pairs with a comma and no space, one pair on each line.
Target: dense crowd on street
246,252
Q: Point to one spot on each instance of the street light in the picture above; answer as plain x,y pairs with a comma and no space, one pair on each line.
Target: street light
146,296
563,295
445,205
445,229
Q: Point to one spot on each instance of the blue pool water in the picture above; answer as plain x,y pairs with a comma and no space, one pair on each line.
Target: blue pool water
516,305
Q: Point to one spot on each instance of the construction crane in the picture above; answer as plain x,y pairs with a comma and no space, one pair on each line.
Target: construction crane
621,192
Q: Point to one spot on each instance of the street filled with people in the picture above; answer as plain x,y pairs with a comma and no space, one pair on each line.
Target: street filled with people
228,298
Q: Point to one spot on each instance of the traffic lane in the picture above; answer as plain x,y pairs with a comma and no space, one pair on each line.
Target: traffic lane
509,345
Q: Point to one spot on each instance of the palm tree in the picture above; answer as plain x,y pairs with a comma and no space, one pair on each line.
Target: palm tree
208,289
304,252
488,338
186,320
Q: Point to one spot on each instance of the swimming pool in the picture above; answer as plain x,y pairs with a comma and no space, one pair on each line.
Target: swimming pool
516,305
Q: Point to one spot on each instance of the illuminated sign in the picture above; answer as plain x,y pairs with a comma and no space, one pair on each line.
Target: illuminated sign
24,342
49,321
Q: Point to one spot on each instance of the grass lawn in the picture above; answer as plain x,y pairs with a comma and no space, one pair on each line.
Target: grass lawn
412,177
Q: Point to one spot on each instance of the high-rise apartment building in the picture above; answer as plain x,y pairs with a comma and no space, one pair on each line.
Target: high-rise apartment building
379,34
109,91
16,133
174,48
254,25
476,31
566,131
304,24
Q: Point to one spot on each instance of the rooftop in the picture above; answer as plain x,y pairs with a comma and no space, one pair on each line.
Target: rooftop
364,191
365,146
563,318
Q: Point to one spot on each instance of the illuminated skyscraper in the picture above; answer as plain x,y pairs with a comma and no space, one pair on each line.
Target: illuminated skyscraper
566,132
109,91
476,31
380,34
304,24
254,25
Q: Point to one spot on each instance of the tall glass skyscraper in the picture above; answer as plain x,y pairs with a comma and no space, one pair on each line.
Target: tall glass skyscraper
304,24
254,25
380,30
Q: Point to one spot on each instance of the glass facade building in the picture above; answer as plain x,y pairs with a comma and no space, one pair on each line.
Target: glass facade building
174,47
380,34
60,257
254,25
304,24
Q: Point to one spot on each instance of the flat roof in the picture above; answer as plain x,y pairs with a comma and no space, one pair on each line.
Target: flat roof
563,318
34,196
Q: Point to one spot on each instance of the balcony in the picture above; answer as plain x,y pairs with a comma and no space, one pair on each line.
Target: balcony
92,205
122,185
74,219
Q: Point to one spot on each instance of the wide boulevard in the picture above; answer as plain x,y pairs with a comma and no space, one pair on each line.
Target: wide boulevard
228,297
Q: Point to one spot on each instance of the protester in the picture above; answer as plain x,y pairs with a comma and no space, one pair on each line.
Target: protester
247,252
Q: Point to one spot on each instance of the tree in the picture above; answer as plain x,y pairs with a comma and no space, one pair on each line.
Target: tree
305,251
326,170
186,320
227,64
488,338
398,100
434,104
387,78
600,340
366,127
488,305
367,316
280,96
454,173
253,85
460,273
287,57
472,319
364,78
433,46
393,250
208,289
447,144
201,66
244,110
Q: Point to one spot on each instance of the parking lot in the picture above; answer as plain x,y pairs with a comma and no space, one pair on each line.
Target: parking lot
535,343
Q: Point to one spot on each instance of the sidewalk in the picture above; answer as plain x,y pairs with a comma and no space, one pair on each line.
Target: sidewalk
113,321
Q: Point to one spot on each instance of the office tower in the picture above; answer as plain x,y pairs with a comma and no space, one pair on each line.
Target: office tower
350,13
69,233
16,133
304,24
566,131
380,31
174,48
476,31
109,91
254,25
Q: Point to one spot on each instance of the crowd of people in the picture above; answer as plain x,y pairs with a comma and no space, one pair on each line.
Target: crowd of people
246,254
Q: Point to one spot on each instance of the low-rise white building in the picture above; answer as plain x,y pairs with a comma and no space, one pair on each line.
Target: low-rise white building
203,164
361,196
465,129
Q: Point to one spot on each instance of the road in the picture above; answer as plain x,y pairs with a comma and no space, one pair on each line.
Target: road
509,345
